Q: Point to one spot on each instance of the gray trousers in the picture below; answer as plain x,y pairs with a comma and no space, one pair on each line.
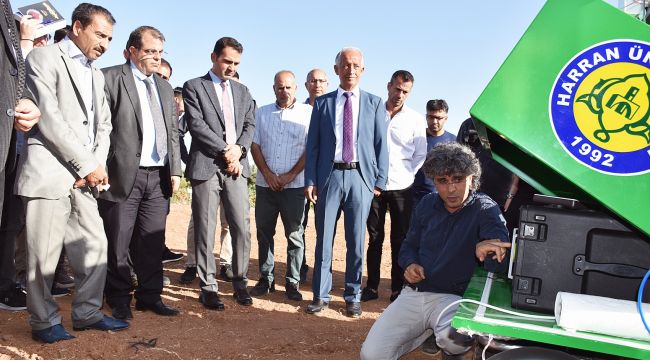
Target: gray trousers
410,320
290,205
206,196
225,251
72,222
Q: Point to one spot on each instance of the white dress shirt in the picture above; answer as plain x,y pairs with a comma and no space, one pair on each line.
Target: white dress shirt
85,76
282,137
338,124
217,87
407,147
149,155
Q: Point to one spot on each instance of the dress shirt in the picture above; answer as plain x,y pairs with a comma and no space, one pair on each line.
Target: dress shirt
149,155
407,147
217,87
338,124
282,137
85,76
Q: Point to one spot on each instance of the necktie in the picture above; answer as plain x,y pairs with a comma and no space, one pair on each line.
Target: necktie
20,83
348,141
226,108
158,119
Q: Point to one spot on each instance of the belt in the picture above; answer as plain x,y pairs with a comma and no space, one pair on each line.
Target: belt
346,166
413,287
150,168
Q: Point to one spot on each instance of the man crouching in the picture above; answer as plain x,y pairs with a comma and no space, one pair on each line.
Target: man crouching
449,231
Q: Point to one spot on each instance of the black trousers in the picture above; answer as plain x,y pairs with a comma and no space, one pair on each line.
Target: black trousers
13,220
399,203
137,223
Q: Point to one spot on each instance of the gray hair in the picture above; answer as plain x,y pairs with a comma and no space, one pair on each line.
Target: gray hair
452,158
346,49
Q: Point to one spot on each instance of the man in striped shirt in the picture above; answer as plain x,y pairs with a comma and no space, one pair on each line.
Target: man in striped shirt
279,152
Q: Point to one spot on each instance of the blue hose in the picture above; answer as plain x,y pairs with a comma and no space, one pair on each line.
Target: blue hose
639,302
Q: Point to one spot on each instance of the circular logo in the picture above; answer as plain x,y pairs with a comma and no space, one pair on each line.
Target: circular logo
600,106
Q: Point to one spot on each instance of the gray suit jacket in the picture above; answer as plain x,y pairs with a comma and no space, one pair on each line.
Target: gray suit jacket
55,155
126,138
206,124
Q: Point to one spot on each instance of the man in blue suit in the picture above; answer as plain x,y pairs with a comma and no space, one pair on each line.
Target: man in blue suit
347,164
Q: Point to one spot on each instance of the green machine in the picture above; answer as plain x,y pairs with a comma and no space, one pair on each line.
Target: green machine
568,111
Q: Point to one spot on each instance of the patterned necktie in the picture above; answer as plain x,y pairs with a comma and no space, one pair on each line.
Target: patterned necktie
20,83
348,141
158,120
226,108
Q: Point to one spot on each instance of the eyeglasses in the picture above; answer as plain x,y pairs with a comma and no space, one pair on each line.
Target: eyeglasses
316,81
448,180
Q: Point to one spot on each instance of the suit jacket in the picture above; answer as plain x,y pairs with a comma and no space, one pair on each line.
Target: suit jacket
126,139
207,126
9,71
372,150
55,155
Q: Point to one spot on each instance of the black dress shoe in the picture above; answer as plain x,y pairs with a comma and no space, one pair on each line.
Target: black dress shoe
429,346
211,300
263,287
189,275
316,306
169,256
353,309
368,294
158,307
105,324
292,292
122,312
242,297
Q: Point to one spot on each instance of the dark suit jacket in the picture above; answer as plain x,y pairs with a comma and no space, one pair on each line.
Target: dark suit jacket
126,139
9,71
371,141
207,124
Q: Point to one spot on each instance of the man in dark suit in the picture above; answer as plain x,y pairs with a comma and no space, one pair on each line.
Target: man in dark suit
144,168
20,113
347,163
220,114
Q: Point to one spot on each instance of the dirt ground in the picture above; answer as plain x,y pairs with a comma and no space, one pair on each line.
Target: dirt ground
273,328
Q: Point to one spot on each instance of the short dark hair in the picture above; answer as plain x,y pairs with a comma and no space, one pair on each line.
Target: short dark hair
178,91
225,42
437,105
452,158
166,63
135,39
62,33
404,75
84,12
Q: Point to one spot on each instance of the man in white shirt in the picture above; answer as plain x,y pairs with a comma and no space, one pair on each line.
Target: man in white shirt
407,149
279,152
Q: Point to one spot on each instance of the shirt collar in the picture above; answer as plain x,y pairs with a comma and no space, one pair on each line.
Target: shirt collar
354,92
75,53
139,74
277,107
217,80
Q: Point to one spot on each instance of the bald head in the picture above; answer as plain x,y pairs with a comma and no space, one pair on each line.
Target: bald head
349,67
316,84
284,87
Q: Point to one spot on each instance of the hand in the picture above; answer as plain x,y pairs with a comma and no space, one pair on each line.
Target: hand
28,27
232,153
376,191
98,176
176,183
26,115
234,169
311,193
414,273
492,246
79,183
285,179
273,180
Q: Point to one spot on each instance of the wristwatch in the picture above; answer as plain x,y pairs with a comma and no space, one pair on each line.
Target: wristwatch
244,152
510,196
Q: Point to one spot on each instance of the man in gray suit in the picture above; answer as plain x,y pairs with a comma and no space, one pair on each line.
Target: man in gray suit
347,163
144,168
220,114
20,113
63,168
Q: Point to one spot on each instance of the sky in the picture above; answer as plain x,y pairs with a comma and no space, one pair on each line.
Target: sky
453,48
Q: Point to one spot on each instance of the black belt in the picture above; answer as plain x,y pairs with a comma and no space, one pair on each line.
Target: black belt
346,166
413,287
150,168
